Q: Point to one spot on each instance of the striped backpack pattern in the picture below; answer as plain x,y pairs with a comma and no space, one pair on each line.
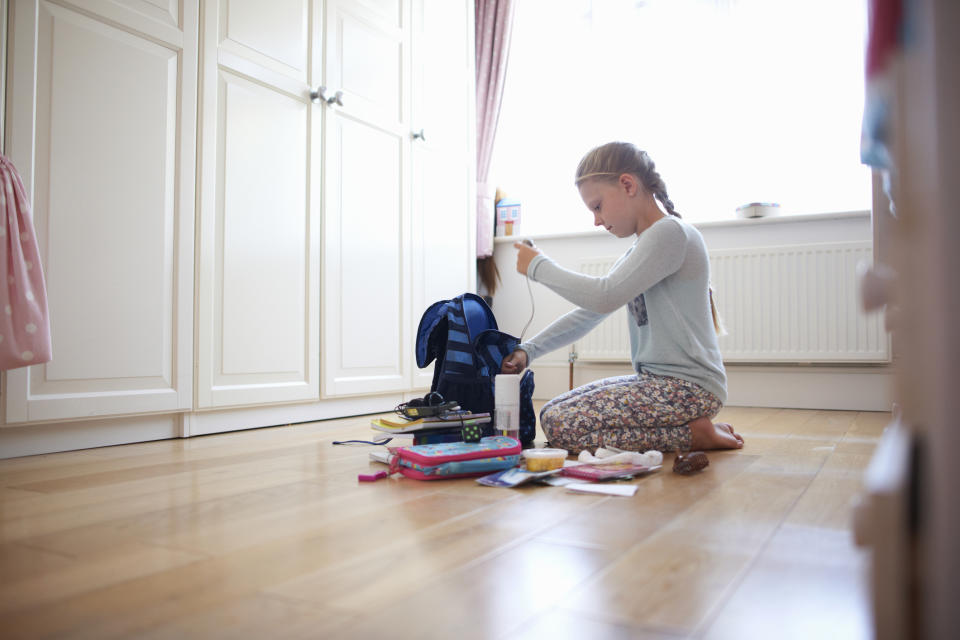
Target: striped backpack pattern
461,335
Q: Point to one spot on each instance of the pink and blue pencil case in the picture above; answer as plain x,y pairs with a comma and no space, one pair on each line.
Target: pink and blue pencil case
457,459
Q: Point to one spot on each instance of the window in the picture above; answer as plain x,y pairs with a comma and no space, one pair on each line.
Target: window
736,101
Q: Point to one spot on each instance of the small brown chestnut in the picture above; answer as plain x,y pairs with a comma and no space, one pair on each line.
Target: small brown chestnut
690,462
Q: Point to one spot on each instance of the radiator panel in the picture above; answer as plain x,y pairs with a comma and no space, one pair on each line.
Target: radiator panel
785,304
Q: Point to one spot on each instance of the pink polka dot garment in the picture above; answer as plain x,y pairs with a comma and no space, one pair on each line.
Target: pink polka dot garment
24,322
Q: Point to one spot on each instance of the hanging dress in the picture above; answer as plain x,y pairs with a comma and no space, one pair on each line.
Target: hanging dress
24,321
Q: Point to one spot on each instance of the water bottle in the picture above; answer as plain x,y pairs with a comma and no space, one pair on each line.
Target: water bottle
506,398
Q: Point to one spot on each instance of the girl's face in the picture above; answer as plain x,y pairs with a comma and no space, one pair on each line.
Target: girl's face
614,205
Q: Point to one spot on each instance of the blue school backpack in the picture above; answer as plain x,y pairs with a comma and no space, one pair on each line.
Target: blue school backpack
461,335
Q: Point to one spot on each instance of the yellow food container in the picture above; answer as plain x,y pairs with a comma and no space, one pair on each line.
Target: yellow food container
544,459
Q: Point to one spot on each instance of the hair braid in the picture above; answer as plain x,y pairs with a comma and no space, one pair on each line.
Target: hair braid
659,191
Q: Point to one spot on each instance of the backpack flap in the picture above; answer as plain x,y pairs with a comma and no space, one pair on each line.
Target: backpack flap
493,346
477,314
432,333
469,314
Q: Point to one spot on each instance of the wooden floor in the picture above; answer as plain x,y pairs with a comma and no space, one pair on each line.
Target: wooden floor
268,534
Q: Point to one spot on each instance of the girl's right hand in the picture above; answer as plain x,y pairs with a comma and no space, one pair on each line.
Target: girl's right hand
525,253
515,362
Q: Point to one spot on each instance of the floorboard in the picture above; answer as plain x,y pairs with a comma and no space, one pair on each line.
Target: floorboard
267,533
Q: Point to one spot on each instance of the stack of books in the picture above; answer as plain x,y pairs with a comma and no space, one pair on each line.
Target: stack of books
446,428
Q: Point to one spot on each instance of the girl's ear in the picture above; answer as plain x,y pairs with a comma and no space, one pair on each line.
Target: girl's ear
629,183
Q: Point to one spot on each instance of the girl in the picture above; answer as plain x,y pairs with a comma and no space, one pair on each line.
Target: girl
663,279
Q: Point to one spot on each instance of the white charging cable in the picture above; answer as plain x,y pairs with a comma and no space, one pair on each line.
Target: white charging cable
529,243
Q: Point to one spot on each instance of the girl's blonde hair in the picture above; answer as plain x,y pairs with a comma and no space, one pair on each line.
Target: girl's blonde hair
610,161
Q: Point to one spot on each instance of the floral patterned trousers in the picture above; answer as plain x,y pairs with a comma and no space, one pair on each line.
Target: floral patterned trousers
634,413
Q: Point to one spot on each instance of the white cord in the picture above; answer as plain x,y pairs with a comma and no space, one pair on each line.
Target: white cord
532,309
529,243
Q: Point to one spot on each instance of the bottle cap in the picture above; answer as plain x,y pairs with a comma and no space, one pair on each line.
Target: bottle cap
507,388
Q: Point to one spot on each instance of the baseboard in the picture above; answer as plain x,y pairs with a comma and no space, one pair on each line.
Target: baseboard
206,422
36,439
867,388
810,387
31,440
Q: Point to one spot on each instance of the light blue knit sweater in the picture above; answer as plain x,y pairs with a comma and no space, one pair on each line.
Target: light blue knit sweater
663,280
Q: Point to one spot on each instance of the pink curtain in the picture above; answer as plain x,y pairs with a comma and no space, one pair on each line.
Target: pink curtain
24,321
494,19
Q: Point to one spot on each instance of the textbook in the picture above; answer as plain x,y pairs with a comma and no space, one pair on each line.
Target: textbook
390,425
614,471
450,417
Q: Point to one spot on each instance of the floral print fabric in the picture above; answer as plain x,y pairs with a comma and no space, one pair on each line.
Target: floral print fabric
634,413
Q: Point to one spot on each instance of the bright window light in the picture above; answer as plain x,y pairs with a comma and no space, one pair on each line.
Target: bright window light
736,101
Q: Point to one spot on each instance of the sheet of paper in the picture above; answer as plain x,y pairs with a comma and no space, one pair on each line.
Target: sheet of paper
607,489
560,481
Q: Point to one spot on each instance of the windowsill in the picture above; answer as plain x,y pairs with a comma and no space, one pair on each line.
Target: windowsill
738,222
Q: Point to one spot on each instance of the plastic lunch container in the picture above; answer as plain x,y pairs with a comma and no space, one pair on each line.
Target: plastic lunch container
544,459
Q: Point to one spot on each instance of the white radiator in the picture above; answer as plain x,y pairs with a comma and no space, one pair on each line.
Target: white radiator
794,303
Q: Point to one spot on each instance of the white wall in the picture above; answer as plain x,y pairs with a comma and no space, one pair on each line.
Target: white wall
795,386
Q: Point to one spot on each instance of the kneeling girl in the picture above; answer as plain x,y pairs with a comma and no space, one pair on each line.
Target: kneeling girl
663,280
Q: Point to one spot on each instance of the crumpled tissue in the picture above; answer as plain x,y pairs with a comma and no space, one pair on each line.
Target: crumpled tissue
610,455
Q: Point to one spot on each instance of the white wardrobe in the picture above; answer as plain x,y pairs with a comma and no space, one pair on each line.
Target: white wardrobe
242,208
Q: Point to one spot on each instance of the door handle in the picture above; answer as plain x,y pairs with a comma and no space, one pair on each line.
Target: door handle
320,93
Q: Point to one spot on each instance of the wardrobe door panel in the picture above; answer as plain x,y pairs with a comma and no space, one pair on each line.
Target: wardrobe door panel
105,143
258,298
367,60
275,36
365,291
170,20
367,341
262,221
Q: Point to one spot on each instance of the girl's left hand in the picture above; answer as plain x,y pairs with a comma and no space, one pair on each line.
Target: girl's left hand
525,253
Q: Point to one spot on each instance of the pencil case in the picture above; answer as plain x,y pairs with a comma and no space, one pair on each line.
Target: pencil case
456,459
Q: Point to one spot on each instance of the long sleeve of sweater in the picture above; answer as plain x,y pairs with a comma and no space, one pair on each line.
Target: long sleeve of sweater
566,329
657,253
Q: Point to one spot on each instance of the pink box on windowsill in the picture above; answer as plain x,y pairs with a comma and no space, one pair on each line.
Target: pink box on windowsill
508,218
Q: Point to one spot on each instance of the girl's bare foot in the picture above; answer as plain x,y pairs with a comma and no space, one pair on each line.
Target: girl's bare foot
708,435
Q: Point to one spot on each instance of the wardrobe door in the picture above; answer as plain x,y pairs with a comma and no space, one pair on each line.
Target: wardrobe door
258,255
442,157
367,342
101,124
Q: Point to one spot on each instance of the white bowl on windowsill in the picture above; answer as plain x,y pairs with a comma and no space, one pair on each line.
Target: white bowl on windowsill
758,210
